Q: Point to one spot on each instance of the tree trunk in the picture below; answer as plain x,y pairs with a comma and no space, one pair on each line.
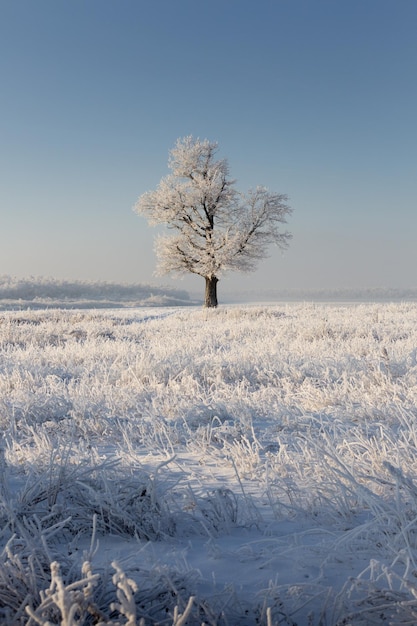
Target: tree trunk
210,300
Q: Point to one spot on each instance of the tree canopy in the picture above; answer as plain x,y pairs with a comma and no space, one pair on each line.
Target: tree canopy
216,227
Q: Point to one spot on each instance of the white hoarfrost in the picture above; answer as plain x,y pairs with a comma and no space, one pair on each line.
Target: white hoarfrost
250,465
216,228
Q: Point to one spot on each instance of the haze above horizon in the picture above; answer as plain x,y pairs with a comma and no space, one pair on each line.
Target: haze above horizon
317,100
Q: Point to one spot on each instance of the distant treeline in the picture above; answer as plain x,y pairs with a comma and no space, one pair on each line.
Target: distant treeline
373,294
39,290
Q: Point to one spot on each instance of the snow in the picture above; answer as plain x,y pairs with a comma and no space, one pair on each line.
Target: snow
245,465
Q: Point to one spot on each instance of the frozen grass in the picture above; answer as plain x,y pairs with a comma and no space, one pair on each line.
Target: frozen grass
251,465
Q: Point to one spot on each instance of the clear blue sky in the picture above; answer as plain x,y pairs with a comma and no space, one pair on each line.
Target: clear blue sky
313,98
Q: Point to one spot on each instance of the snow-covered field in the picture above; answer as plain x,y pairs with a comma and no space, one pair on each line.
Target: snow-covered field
246,465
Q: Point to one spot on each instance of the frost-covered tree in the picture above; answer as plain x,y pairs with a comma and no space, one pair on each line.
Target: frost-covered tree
216,227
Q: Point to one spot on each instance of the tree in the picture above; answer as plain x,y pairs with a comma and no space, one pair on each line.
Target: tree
216,228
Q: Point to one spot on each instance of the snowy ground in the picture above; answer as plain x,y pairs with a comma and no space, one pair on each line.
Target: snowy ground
246,465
